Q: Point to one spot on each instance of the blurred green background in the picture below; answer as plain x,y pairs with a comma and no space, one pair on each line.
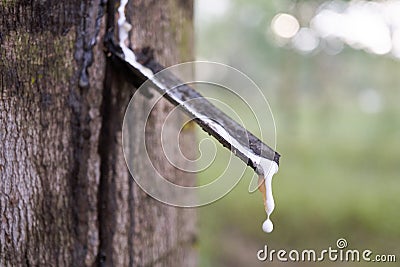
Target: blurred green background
335,102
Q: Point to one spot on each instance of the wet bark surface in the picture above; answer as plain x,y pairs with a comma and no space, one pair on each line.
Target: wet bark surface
66,196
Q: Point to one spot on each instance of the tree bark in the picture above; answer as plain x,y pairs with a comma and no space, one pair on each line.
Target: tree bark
66,196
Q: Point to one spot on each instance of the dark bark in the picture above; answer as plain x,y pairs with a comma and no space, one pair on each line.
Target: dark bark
66,197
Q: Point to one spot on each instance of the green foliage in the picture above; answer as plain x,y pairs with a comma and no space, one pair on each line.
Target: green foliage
339,174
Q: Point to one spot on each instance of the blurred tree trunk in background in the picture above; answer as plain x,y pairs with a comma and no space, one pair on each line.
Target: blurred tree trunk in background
66,196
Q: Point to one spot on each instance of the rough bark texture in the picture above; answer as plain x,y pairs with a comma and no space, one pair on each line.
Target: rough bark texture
66,197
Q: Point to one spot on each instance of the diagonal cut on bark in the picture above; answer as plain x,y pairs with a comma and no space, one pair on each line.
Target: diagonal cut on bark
193,104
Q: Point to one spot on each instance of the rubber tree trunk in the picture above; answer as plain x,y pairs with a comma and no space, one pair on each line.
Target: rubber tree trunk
66,196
